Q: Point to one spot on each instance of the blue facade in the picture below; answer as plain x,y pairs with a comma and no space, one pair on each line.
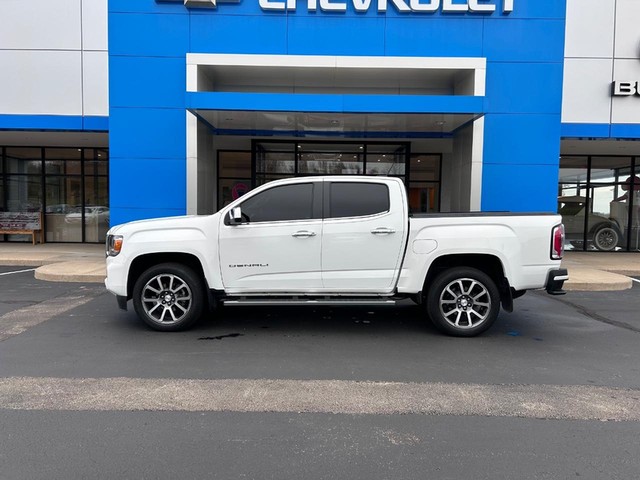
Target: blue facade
149,40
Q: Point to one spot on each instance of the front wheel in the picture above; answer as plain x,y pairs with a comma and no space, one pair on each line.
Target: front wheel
463,301
169,297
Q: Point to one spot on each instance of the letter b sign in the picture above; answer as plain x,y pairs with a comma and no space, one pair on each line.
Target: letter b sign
626,89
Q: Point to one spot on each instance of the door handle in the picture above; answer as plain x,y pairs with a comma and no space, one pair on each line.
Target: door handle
383,231
303,234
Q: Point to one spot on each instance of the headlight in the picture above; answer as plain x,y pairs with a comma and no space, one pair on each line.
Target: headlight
114,245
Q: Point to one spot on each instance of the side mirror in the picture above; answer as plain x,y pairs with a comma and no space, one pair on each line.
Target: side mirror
235,216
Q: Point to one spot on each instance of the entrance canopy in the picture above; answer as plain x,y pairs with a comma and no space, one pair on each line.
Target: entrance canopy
335,95
327,124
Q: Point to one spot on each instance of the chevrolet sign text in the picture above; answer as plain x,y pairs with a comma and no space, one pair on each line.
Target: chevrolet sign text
417,6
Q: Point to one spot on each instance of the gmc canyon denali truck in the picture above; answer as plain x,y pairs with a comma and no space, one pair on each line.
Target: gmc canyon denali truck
334,240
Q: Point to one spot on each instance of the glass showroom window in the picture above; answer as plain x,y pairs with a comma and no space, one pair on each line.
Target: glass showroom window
234,175
23,179
424,184
96,194
63,194
67,184
572,199
597,198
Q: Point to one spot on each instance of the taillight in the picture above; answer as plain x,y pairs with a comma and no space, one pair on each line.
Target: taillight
557,242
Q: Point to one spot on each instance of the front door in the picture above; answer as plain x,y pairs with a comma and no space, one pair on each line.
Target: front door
276,248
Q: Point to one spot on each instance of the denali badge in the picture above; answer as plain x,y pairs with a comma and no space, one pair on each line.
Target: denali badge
248,265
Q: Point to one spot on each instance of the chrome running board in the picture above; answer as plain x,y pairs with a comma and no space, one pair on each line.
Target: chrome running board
247,301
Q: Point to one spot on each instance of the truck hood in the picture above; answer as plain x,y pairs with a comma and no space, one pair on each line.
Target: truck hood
165,223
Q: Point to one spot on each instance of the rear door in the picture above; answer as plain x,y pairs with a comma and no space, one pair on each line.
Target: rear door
363,236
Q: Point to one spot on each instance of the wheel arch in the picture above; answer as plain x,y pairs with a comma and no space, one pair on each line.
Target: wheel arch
143,262
486,263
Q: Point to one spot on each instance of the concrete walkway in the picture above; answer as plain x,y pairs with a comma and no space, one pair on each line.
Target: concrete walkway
601,271
588,271
58,262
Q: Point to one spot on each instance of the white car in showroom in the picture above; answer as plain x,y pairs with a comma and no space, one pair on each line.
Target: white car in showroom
91,214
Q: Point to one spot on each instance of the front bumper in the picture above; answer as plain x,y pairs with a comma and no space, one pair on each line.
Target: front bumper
116,281
555,281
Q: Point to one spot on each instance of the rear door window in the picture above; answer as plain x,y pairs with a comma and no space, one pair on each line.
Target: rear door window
357,199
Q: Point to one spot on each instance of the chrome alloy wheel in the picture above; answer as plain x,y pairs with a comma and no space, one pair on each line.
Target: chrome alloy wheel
465,303
166,298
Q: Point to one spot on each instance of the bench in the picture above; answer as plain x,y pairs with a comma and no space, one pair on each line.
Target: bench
22,223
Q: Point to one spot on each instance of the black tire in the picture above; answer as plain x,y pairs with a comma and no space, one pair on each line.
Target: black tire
606,238
465,296
169,297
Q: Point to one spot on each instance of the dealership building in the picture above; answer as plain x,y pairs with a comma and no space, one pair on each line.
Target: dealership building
123,110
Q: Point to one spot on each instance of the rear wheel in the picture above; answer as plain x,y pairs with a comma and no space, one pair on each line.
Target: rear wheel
169,297
463,301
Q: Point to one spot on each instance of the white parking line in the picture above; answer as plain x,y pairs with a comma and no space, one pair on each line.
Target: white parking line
18,321
635,280
17,271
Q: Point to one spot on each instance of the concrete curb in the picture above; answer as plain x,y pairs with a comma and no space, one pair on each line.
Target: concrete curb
83,272
29,262
583,279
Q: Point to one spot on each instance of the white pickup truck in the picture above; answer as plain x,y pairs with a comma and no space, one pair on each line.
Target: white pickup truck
334,240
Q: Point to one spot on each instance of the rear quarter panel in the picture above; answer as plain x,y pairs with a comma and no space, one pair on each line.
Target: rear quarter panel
522,243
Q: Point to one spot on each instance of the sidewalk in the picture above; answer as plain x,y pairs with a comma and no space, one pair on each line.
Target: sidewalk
601,271
58,262
588,271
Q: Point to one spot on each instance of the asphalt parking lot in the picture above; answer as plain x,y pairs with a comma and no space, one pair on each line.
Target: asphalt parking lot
381,344
83,343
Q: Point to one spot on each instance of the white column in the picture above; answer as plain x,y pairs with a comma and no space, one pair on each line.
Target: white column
192,164
477,147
